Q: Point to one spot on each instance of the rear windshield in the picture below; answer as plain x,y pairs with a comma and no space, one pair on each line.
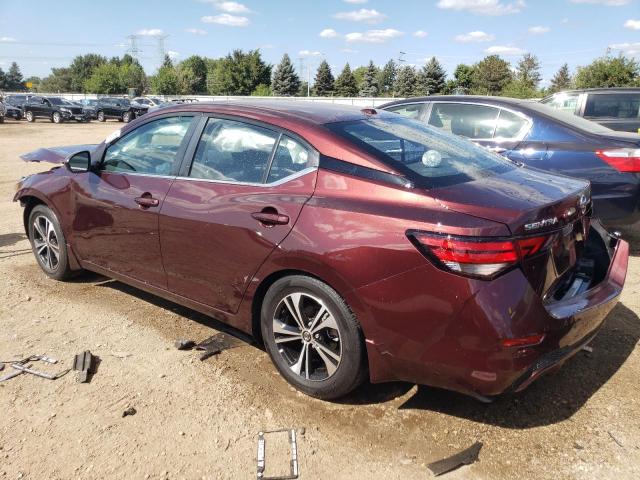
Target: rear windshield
613,105
427,156
568,118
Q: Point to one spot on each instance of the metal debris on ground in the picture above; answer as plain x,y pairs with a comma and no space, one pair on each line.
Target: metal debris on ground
465,457
84,363
293,472
129,411
216,344
184,344
25,366
587,349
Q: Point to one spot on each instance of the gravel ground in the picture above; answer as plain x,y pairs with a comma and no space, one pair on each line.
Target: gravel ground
200,419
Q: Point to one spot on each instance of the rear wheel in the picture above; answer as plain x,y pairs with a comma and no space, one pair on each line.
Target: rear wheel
48,243
126,117
101,117
30,116
56,117
312,337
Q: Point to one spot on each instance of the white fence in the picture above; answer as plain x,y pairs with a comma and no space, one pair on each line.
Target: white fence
357,101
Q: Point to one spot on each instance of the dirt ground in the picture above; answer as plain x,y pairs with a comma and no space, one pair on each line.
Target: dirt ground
200,419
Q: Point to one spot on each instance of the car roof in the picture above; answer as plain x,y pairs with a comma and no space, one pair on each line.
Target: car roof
602,90
462,99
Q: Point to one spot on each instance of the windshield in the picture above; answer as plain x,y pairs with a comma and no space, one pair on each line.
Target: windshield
428,157
568,118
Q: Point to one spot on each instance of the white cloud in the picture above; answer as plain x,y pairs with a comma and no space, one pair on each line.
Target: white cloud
150,32
7,39
504,50
309,53
226,19
329,33
629,49
349,50
474,37
632,24
373,36
608,3
195,31
538,30
420,34
232,7
173,54
363,15
483,7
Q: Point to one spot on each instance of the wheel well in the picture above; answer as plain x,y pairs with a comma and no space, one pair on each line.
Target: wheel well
261,291
29,203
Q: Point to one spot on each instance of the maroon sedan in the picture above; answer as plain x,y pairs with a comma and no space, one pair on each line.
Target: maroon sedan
353,243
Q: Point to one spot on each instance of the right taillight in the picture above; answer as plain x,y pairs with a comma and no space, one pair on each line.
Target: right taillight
622,159
476,256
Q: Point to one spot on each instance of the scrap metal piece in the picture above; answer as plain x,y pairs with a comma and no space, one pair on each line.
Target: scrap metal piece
85,364
184,344
129,411
261,458
465,457
49,376
216,344
11,375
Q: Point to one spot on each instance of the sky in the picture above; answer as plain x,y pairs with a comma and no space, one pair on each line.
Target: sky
42,34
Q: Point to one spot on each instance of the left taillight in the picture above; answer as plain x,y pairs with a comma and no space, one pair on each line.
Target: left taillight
625,160
476,256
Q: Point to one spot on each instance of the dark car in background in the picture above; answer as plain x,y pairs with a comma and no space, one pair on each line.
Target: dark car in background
120,109
89,106
150,103
539,136
18,101
9,111
353,243
55,109
615,108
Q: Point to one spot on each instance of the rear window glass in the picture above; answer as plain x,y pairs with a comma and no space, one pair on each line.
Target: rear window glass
427,156
615,105
411,110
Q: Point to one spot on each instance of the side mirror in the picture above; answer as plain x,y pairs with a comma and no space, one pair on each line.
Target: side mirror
79,162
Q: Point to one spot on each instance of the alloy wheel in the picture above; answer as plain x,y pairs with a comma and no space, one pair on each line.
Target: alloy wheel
45,242
307,336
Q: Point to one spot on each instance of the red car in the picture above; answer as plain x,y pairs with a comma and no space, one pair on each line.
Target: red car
353,243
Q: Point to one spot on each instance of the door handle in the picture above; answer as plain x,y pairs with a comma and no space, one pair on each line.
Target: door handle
496,149
146,201
271,218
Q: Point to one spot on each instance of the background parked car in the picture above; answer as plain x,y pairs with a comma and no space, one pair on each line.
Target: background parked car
2,111
615,108
55,109
89,106
13,112
151,103
545,138
118,108
18,101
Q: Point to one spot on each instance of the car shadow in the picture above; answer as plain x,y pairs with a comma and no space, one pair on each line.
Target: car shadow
8,239
553,398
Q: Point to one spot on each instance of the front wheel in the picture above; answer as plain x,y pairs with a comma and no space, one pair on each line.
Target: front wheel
312,337
126,117
48,243
30,117
101,117
56,117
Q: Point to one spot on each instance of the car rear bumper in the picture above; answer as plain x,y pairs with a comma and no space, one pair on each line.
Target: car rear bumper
462,350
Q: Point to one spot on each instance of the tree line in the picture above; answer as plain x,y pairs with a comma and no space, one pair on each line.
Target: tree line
246,73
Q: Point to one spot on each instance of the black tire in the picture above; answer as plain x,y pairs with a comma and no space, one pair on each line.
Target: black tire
126,117
2,119
30,116
350,370
56,117
19,117
100,116
59,269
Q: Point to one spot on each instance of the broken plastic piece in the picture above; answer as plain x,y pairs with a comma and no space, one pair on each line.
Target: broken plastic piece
184,344
465,457
85,364
293,473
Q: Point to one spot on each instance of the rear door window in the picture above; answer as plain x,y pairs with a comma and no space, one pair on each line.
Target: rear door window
290,158
233,151
465,119
613,105
511,125
412,110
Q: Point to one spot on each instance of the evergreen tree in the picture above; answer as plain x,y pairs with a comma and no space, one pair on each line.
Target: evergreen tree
386,78
285,80
561,80
431,79
491,75
14,78
463,75
345,84
529,71
369,87
324,82
405,84
3,80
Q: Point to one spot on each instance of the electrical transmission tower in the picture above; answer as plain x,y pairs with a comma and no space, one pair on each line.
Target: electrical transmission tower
133,49
161,50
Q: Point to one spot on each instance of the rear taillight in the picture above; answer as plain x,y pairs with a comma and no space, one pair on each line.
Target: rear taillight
622,159
478,257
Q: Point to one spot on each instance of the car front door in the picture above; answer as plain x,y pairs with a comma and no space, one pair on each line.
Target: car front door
232,204
116,207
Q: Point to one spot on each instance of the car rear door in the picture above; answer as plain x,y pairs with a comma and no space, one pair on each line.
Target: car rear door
116,207
239,193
